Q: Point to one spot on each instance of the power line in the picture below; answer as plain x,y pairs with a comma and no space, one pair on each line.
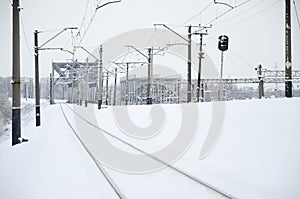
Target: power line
196,15
89,25
83,18
226,12
25,37
242,3
296,13
93,12
67,42
73,39
239,66
51,30
251,16
151,38
238,15
218,17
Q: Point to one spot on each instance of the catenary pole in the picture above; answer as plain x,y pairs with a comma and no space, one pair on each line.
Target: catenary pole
288,51
199,87
100,77
127,84
37,80
150,65
106,88
86,82
189,65
16,99
115,87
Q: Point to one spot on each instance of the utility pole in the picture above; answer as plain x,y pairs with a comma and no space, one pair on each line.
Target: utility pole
72,75
189,61
127,84
150,75
100,68
51,92
115,86
276,84
288,51
261,82
150,72
189,68
200,96
16,99
100,77
178,91
200,90
162,94
127,64
37,77
47,94
189,64
87,82
37,80
80,87
199,69
106,91
72,90
51,86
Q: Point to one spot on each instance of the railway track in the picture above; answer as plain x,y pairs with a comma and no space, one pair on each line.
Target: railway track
114,186
99,166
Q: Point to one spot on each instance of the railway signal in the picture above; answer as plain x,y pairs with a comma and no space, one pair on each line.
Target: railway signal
223,43
223,46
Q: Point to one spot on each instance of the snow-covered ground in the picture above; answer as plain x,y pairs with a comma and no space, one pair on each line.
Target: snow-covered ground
27,115
249,149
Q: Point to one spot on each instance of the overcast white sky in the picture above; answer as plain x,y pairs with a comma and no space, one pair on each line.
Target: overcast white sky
255,29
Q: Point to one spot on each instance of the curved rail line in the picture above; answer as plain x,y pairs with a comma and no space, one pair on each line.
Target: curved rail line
101,169
195,179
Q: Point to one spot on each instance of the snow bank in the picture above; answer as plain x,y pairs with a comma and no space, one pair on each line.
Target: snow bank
256,153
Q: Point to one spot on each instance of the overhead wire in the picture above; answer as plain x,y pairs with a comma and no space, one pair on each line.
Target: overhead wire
236,6
151,38
238,66
251,16
297,16
73,40
256,13
196,15
244,12
226,12
67,42
245,62
51,30
81,35
93,12
87,28
218,17
83,18
25,37
125,56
